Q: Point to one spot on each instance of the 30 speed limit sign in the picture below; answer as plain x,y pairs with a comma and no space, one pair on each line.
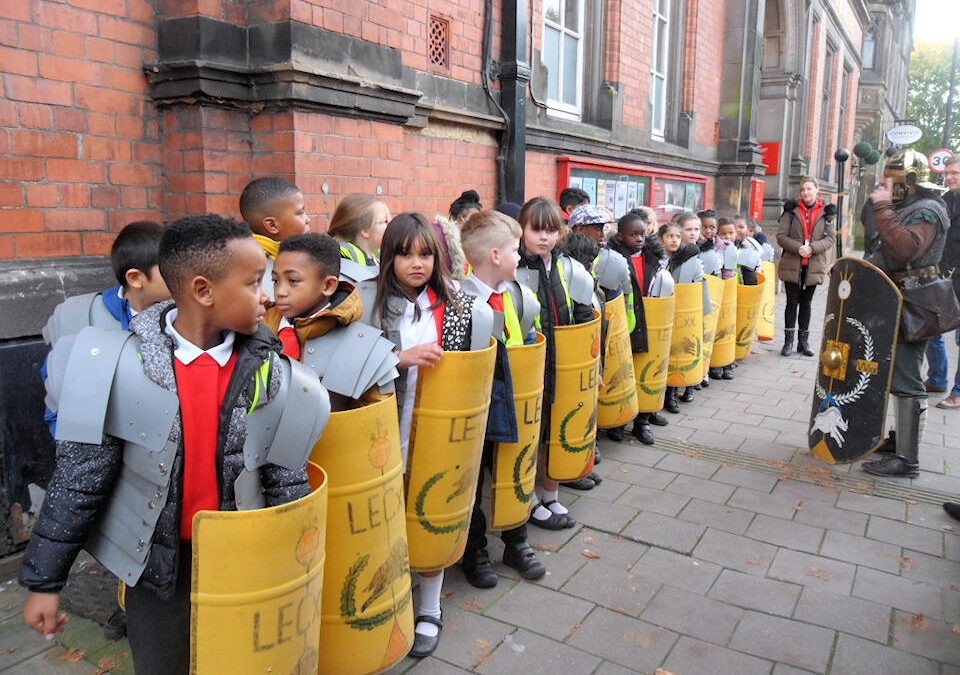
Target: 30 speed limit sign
939,158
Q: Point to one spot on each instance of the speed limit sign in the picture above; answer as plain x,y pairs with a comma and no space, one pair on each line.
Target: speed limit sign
939,158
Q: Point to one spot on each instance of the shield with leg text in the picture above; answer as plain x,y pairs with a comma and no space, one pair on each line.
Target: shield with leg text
855,363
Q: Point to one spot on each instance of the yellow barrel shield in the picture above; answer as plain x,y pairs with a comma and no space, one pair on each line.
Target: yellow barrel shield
686,343
515,464
715,286
650,368
443,458
725,339
573,416
367,614
748,315
256,589
617,400
766,327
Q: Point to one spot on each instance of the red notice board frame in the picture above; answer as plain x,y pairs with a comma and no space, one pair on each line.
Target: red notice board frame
565,163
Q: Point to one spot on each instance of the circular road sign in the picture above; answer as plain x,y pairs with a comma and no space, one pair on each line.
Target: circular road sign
938,158
905,134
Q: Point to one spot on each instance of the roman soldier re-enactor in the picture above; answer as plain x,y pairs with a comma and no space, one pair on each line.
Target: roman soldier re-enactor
905,225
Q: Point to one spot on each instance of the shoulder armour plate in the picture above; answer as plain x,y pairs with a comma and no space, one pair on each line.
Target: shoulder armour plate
662,285
351,359
730,257
767,254
579,280
82,407
364,279
305,414
76,313
691,271
750,259
611,269
712,262
481,325
529,277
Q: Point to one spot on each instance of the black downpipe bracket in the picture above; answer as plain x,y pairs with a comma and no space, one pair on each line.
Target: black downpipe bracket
514,79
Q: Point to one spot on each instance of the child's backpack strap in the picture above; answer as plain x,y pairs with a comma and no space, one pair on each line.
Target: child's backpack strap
351,359
76,313
364,279
579,281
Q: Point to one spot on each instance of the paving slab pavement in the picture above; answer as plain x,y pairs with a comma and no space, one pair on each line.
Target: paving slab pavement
723,548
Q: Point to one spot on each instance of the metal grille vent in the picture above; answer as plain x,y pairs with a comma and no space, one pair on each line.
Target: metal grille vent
439,43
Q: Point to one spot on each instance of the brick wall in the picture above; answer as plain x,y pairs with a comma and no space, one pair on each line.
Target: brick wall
80,152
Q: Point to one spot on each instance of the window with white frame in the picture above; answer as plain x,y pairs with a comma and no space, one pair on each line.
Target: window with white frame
659,67
562,54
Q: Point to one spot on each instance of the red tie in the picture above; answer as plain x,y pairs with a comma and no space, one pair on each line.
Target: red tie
291,346
496,301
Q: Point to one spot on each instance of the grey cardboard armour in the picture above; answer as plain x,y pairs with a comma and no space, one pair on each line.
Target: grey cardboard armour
351,359
76,313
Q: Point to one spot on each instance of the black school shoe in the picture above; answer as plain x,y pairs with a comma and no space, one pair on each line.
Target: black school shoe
596,455
616,435
892,465
523,558
715,373
687,396
116,626
952,509
478,569
727,372
643,433
424,645
658,420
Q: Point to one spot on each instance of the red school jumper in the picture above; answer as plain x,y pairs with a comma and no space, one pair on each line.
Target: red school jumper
201,385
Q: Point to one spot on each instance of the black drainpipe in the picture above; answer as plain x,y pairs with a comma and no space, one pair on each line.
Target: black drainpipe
514,75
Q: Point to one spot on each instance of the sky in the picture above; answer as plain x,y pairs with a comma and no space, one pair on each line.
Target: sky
937,20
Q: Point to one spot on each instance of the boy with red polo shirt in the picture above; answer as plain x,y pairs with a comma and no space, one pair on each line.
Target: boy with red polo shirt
204,356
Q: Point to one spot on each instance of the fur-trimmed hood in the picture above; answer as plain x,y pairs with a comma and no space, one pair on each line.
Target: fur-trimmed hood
449,233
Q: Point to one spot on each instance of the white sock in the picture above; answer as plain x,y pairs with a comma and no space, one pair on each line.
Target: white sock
552,496
430,588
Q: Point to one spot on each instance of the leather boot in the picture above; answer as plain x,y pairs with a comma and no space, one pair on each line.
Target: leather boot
911,414
802,345
788,335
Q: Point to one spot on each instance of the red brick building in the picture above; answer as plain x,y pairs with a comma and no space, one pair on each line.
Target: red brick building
117,110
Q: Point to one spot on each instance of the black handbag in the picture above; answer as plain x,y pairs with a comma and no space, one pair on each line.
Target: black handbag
928,310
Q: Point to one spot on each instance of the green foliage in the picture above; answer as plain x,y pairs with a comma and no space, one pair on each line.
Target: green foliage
930,66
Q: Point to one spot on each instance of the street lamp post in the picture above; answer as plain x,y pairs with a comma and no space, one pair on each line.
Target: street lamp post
841,156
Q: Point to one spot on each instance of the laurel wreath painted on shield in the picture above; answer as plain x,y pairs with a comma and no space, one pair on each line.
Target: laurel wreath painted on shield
864,380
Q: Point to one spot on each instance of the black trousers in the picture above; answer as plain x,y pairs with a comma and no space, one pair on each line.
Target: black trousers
477,534
159,630
799,298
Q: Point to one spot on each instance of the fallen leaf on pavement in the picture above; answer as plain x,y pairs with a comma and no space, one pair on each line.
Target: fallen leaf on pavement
956,628
819,574
661,671
761,563
471,606
73,655
798,507
955,589
589,540
906,563
641,640
545,547
949,528
108,664
446,594
590,554
920,622
9,650
911,502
